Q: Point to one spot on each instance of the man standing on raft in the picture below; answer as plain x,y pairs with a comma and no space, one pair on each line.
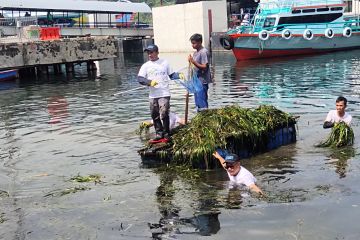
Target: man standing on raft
201,60
156,74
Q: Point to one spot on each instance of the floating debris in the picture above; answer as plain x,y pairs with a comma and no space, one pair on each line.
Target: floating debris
2,219
4,194
341,135
91,178
59,193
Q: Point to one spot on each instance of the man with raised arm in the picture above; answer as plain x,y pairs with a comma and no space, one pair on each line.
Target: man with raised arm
237,173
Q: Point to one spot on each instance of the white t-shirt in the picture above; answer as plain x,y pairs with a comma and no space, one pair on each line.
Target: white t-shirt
244,177
159,71
174,119
334,117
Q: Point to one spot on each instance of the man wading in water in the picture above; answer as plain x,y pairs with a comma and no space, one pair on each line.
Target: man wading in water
338,115
237,173
156,74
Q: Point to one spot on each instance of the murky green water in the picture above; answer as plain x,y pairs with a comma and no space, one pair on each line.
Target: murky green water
54,129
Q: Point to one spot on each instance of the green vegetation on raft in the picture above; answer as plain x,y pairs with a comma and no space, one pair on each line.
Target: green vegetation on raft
341,135
231,127
217,128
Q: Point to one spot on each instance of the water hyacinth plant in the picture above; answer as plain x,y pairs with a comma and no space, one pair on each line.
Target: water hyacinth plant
341,135
225,128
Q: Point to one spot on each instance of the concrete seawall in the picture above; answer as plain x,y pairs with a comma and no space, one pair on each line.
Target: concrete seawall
33,53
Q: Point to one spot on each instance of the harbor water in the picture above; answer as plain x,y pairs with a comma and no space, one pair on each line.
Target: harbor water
54,129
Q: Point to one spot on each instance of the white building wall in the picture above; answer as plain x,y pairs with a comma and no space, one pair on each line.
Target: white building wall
356,7
174,25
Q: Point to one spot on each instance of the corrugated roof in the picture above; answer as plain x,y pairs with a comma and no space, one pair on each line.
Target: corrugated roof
74,5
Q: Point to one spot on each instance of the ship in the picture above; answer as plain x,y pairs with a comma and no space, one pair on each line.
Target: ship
284,28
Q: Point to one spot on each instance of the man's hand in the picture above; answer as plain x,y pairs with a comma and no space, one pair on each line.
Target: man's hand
153,83
182,76
191,59
145,124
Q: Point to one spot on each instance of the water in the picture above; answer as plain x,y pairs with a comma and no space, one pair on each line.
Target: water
54,129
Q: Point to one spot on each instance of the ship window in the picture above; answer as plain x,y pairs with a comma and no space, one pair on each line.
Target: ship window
308,10
269,22
322,9
336,9
317,18
296,11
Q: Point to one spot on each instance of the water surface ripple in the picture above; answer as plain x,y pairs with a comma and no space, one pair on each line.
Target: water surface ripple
54,129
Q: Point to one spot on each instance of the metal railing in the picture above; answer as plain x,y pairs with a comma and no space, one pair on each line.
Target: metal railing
18,21
296,3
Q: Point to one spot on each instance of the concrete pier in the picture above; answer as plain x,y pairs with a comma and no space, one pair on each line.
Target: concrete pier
35,53
133,45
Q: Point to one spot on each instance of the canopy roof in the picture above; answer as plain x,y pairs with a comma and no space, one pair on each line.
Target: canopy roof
74,6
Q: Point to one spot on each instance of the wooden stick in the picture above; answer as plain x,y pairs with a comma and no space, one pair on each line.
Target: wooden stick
186,107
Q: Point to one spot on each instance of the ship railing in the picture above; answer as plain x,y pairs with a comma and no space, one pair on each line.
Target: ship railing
354,24
274,7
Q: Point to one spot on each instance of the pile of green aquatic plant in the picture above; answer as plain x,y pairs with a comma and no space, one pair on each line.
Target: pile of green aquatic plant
226,127
341,135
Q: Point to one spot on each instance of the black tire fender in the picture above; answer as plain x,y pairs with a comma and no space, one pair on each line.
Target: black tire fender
227,42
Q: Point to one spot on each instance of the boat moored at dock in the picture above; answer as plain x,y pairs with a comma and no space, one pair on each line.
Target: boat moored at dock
8,75
283,28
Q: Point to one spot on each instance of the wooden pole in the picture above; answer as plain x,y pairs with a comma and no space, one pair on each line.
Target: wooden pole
186,107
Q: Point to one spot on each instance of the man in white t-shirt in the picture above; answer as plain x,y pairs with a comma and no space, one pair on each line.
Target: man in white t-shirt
237,173
338,115
156,74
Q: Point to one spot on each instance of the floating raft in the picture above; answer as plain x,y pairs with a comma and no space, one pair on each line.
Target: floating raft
243,131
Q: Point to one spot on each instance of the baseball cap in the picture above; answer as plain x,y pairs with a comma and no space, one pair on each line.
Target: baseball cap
231,158
151,48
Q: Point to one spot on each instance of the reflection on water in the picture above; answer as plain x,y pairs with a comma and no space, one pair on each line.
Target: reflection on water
339,158
302,183
57,109
204,221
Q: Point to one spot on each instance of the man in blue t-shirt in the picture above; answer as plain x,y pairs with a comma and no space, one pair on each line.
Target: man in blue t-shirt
201,60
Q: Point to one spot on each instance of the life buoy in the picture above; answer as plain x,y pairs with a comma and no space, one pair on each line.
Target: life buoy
308,34
347,32
264,35
227,42
286,33
329,33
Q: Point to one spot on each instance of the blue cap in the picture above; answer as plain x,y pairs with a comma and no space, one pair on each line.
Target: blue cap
231,158
151,48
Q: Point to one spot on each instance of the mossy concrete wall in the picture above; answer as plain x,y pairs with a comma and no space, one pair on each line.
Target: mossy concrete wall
32,53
